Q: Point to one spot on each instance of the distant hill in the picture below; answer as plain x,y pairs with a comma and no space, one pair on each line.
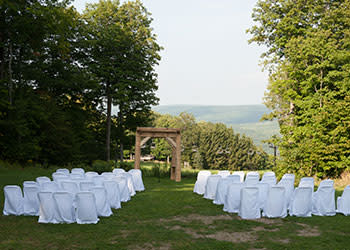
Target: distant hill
244,119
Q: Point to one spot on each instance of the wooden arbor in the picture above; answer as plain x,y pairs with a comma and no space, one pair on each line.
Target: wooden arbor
172,135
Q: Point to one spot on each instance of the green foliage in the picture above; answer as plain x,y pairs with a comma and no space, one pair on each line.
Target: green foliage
309,92
100,166
210,146
126,165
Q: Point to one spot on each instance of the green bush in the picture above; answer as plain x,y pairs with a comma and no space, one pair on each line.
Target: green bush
126,165
100,166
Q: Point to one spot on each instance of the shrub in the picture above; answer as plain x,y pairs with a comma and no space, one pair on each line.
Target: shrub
100,166
126,165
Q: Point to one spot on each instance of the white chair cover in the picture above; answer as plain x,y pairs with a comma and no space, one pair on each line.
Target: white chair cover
123,188
263,193
60,179
70,186
269,179
288,184
275,205
241,175
86,185
233,198
202,177
301,202
137,179
326,182
31,200
77,175
90,175
113,193
253,174
210,188
221,190
48,211
63,171
49,187
78,171
86,212
130,183
30,184
235,178
57,175
268,173
323,201
251,181
13,200
65,209
42,179
249,208
108,175
289,176
98,181
118,171
307,182
224,173
102,205
343,202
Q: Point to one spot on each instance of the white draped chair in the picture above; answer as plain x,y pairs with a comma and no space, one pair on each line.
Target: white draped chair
77,175
13,200
137,179
327,182
60,179
241,175
86,185
221,190
275,205
86,212
65,208
98,181
118,171
249,207
48,210
49,187
252,178
63,171
42,179
123,188
301,202
234,178
102,205
268,176
130,183
202,177
288,184
31,201
90,175
70,186
343,202
307,182
78,171
108,175
224,173
323,201
59,175
263,193
30,184
233,198
289,176
113,193
210,188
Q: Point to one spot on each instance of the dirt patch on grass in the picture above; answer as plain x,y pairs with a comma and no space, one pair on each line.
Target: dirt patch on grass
122,234
207,220
235,237
258,229
284,241
269,221
308,231
150,246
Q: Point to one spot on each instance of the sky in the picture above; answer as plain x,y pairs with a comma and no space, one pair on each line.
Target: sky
206,58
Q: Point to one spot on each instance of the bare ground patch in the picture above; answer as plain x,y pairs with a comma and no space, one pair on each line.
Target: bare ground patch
207,220
269,221
284,241
150,246
257,229
308,231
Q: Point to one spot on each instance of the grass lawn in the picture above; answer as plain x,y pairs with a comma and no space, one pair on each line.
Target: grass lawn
168,215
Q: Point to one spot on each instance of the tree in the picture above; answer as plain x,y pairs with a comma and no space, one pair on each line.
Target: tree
123,52
308,57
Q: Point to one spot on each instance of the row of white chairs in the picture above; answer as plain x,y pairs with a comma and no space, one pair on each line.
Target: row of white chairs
108,190
273,199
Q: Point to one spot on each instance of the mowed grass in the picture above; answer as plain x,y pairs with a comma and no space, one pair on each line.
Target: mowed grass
168,215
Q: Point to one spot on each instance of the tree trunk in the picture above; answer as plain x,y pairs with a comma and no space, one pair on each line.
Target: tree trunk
10,74
121,148
121,134
109,113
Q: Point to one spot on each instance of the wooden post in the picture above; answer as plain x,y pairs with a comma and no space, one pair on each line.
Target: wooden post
173,164
137,150
178,158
